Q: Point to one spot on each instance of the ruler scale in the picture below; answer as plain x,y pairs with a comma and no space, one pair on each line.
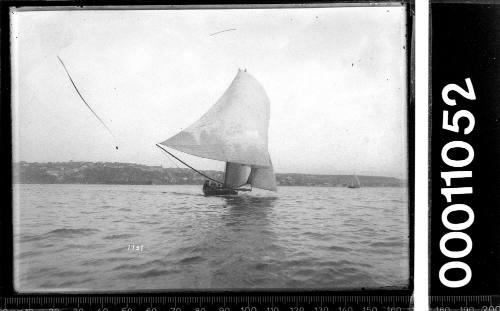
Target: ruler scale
246,303
201,302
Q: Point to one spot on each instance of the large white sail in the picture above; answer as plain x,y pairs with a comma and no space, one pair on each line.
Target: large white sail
263,178
236,175
234,129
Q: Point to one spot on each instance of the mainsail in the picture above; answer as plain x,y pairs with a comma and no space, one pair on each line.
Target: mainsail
234,130
358,183
263,178
355,183
236,175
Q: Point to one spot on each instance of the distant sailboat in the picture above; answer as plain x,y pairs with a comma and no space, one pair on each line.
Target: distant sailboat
233,130
354,182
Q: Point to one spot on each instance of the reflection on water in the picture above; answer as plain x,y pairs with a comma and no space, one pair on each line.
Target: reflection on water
73,237
249,201
242,244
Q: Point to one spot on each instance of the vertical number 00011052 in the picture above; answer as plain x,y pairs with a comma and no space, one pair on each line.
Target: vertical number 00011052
458,171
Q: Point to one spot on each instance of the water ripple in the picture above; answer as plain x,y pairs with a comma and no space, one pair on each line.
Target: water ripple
301,237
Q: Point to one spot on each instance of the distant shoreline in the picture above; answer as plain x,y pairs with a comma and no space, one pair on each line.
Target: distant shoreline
114,173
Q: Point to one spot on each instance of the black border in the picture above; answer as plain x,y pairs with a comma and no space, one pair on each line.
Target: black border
6,220
6,226
464,42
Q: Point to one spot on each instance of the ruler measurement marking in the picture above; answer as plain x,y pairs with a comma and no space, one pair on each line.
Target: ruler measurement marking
263,301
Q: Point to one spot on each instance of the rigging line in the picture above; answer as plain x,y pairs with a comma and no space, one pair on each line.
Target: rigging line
173,162
230,29
83,99
157,145
170,160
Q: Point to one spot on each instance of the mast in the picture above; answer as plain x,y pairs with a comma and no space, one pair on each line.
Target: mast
225,174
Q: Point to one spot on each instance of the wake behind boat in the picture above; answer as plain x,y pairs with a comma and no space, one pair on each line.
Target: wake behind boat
233,130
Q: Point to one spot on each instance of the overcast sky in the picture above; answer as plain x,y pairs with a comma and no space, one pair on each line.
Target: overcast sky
336,79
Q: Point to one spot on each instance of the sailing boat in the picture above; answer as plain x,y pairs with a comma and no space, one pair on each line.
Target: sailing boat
233,130
354,182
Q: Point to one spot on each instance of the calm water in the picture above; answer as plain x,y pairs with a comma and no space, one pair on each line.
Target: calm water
77,237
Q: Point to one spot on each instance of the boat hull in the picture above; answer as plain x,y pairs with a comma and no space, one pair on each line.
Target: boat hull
219,191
